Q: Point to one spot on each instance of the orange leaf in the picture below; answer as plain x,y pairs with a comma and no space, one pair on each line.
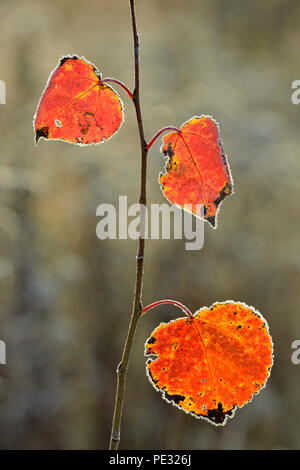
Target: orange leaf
197,171
211,363
76,106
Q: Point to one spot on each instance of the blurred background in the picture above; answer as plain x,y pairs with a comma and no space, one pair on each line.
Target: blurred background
66,296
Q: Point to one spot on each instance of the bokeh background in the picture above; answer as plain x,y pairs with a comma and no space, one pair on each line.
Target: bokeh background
66,296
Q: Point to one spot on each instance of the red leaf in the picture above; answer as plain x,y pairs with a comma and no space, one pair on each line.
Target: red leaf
211,363
76,107
197,171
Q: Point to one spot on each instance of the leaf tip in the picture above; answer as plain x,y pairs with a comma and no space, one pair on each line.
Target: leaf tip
211,220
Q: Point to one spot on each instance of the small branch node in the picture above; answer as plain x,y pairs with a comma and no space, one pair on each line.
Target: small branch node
145,146
115,437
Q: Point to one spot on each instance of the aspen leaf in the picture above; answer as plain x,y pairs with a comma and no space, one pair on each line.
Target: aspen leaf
76,106
197,171
211,363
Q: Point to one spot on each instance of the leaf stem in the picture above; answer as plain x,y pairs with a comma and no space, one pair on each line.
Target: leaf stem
168,301
118,82
164,129
137,302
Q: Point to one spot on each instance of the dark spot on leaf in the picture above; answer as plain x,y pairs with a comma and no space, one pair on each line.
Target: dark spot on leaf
218,415
151,340
86,125
42,132
211,220
171,165
175,398
64,59
169,152
223,193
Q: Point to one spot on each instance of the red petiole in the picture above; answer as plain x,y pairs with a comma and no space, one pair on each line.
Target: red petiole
164,129
168,301
118,82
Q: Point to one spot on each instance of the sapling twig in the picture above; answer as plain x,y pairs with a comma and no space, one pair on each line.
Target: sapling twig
137,302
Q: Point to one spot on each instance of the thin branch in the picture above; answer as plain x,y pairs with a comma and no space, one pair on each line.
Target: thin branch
137,302
168,301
